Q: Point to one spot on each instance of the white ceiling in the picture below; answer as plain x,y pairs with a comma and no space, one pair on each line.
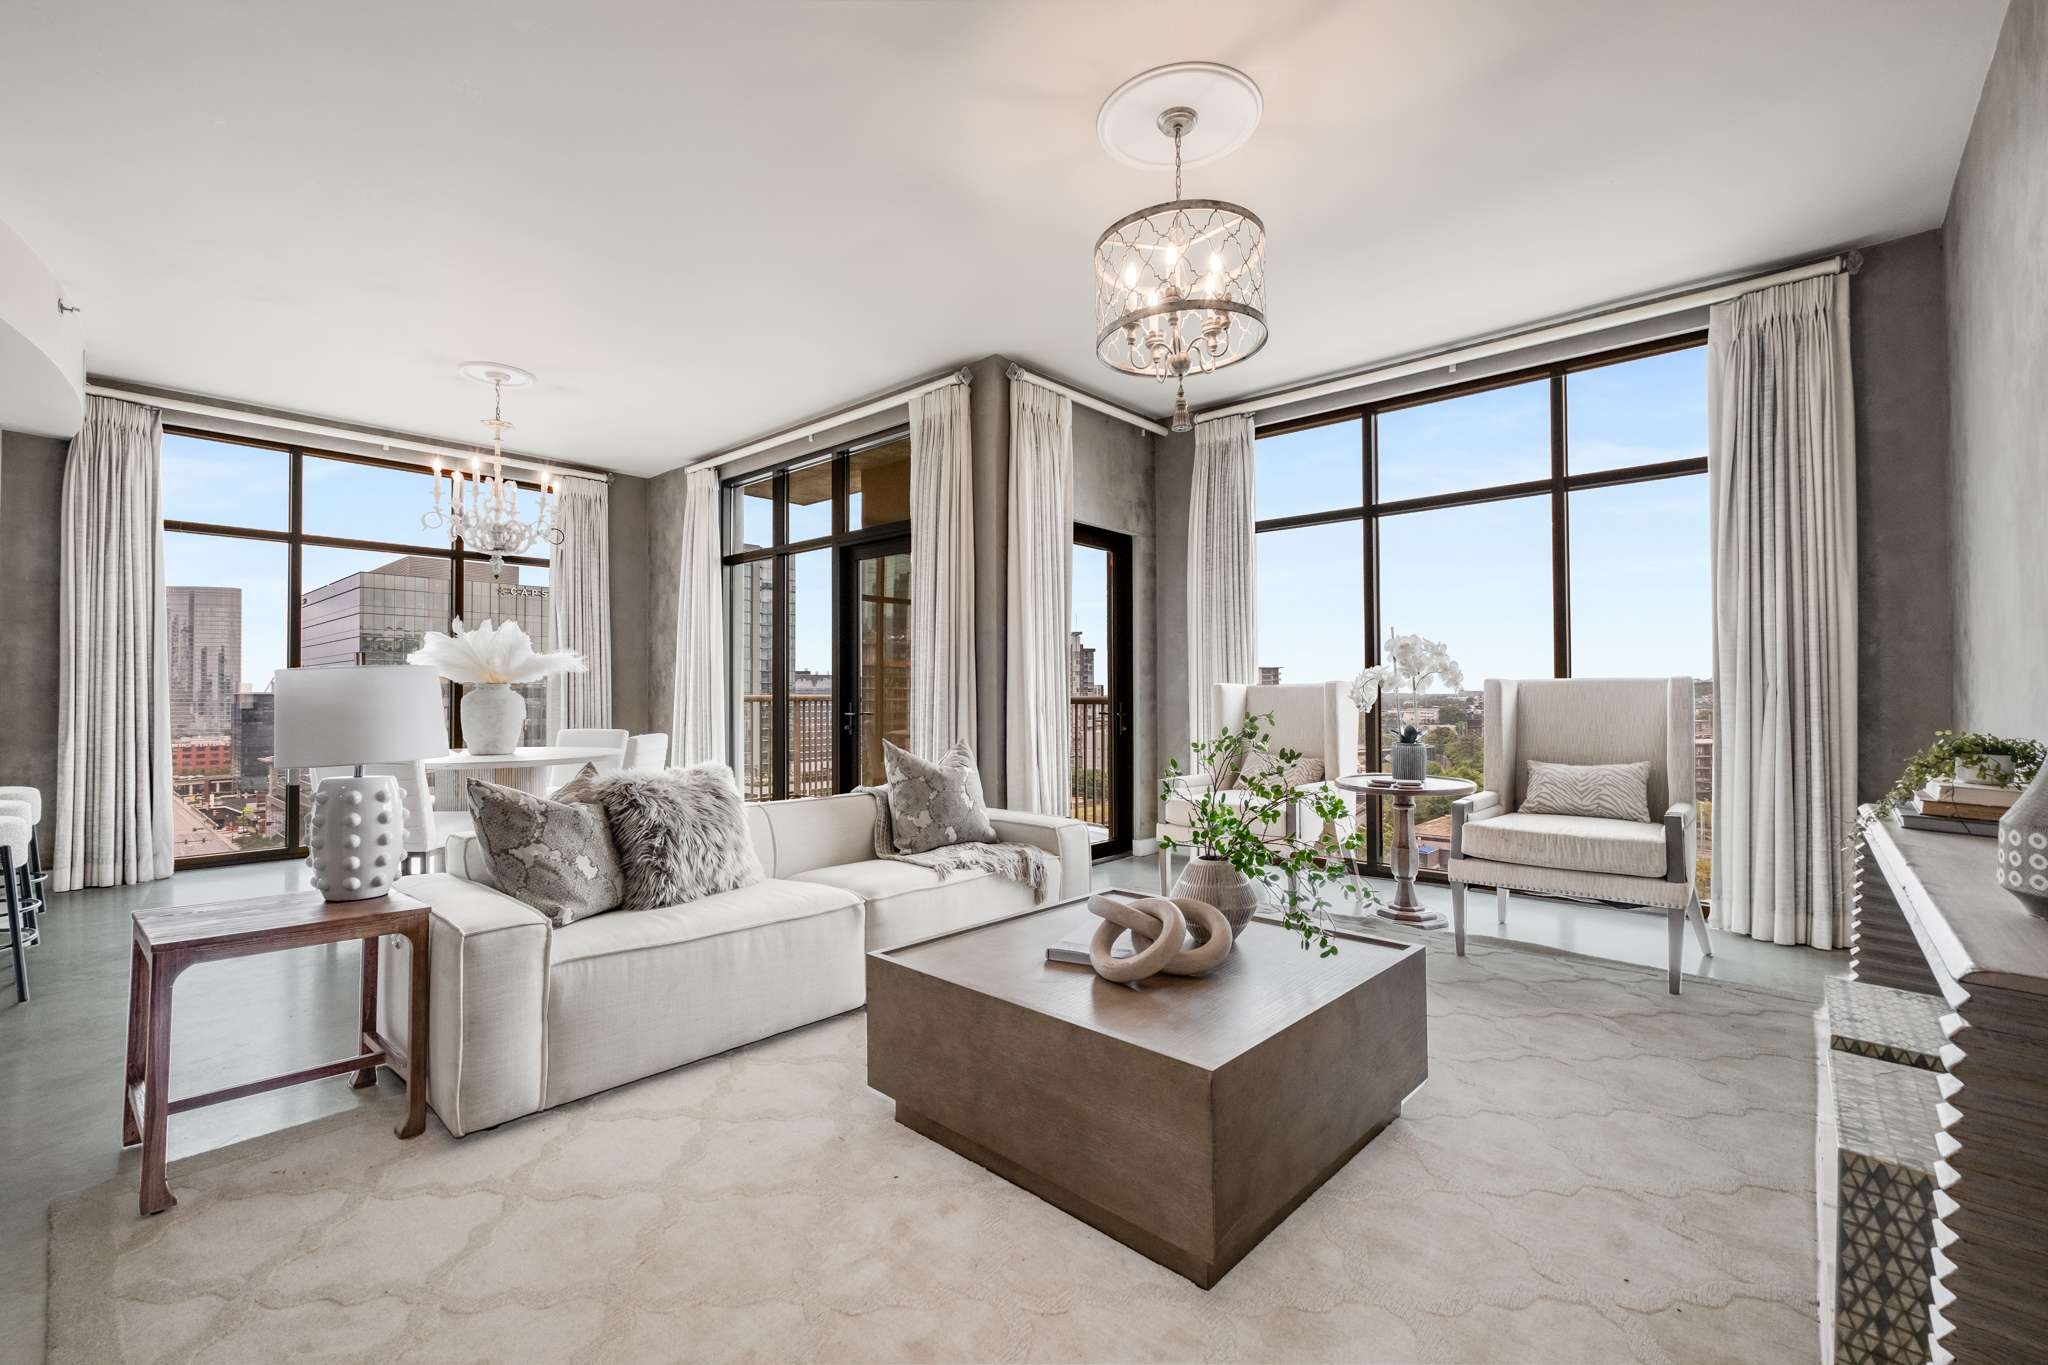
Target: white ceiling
701,223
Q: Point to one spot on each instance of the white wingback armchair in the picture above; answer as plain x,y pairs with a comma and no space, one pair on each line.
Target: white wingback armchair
1647,863
1317,719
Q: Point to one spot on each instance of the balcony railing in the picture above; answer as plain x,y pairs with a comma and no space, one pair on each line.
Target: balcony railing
813,747
1092,762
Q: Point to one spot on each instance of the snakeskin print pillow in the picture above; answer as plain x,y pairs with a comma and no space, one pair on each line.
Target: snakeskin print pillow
1608,791
555,856
932,805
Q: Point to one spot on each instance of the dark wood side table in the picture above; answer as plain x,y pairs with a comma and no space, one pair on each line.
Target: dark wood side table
170,940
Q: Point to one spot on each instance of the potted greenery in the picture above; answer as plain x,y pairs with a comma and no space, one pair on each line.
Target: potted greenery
1989,760
1238,792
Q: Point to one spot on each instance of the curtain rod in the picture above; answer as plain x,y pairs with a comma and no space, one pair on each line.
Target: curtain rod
1640,309
832,419
193,408
1089,400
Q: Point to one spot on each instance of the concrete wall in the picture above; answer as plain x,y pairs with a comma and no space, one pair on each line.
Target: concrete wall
31,511
1173,467
1113,490
1899,357
626,517
1996,241
664,583
989,413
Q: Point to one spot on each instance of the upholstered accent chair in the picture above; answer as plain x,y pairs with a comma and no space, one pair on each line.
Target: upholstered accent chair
1318,719
1647,863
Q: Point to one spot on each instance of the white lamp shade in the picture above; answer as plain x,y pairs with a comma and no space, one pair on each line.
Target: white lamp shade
333,717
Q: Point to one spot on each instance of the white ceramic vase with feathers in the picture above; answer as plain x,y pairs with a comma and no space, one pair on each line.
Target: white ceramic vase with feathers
487,661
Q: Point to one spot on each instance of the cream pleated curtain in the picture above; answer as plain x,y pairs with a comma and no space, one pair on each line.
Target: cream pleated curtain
580,606
1041,552
1222,567
113,809
942,707
1782,471
699,722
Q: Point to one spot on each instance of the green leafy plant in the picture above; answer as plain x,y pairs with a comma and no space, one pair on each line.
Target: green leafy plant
1938,760
1246,827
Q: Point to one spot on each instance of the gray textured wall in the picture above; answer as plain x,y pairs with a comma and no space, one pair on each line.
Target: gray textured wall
1173,466
626,525
989,413
1113,490
31,513
1899,357
664,582
1996,241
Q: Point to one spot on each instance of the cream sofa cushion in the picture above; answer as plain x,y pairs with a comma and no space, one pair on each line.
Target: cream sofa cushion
1628,848
907,902
633,994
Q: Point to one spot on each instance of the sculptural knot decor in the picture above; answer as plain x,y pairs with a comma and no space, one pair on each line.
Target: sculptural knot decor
1178,936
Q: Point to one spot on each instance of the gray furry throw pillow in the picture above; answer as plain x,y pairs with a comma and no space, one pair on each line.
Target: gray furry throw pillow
681,834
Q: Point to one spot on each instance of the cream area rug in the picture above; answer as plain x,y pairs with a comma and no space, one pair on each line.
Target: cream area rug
1594,1172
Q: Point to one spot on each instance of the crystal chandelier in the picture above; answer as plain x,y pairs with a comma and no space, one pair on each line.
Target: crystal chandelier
483,505
1180,287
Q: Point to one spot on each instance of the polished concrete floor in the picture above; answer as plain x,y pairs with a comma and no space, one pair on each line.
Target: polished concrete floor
61,1054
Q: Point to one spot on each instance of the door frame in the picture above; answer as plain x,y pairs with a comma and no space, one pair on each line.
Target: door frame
1119,675
846,645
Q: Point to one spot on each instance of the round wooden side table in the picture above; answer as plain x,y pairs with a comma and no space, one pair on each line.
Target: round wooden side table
1405,909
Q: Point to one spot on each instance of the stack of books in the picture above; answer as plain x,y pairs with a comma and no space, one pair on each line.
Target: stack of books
1953,807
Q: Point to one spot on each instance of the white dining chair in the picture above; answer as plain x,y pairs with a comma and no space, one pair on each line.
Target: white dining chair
615,740
646,753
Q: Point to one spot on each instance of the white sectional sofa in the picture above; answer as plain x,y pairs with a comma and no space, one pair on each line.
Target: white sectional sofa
525,1016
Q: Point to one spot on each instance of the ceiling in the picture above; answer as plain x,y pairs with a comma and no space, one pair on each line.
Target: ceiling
700,223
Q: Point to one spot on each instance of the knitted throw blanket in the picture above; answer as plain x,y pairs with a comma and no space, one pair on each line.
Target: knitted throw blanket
1022,863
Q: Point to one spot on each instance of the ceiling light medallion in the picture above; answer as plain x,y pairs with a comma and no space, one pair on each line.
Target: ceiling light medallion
1180,287
483,505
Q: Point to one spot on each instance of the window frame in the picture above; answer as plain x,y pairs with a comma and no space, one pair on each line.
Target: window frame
782,550
296,539
1558,486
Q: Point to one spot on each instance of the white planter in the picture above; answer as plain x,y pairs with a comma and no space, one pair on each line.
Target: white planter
492,717
1992,770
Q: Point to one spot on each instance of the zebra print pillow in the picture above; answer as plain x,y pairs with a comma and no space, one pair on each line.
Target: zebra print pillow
1608,791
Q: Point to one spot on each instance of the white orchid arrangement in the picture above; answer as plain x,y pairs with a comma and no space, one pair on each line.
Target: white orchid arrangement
1367,686
1412,661
492,653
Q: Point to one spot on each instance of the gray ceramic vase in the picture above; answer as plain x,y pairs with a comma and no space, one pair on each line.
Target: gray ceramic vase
1408,762
1214,880
492,717
2023,847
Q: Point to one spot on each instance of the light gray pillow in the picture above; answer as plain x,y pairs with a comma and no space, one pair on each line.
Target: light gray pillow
1304,771
552,855
932,805
681,834
1608,791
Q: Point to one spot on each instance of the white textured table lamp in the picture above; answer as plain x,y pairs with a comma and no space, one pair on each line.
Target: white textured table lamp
346,717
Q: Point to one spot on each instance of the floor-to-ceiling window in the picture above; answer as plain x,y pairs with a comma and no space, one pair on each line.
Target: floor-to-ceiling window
817,560
278,556
1547,523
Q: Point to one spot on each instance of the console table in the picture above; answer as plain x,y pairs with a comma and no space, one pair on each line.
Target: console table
1930,918
168,941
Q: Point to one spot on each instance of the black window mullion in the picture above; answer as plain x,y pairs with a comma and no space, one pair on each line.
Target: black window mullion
1560,535
1369,528
778,705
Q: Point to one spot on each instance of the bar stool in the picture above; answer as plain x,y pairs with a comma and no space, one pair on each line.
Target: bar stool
24,873
32,797
17,835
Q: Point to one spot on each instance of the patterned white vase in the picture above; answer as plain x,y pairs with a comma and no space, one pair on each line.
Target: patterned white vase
1221,885
356,840
492,717
2023,848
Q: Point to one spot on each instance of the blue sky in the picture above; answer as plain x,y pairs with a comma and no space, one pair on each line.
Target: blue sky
1478,577
235,485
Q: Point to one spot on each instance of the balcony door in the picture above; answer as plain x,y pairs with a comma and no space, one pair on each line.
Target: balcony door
1099,688
874,657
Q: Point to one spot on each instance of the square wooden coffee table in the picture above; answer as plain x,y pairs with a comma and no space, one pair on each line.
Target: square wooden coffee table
1186,1118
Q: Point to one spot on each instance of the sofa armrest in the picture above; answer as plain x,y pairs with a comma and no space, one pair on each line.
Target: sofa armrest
1681,843
1059,835
486,1010
1466,809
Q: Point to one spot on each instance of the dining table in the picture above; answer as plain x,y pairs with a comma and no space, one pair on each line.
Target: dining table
525,768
